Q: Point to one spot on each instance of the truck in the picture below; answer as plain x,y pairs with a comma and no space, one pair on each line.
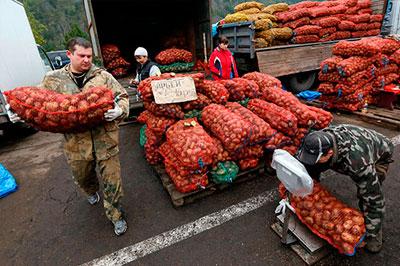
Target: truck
158,24
22,61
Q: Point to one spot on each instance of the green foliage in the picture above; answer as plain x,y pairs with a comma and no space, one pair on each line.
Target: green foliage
58,17
74,32
38,28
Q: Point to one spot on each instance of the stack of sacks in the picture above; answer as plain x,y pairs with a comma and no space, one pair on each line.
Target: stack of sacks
187,152
358,71
155,129
175,60
265,22
113,61
330,20
285,113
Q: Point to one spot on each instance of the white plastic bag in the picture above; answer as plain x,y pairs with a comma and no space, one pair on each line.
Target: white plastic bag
292,173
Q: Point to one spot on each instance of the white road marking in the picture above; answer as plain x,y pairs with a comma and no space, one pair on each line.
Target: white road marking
396,140
178,234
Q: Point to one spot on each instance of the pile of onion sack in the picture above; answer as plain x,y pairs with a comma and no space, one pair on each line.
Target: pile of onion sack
113,61
358,71
50,111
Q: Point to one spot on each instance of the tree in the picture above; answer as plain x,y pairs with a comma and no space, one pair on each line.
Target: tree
75,31
37,27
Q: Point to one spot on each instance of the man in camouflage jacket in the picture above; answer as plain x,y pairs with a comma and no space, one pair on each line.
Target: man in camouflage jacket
362,154
98,146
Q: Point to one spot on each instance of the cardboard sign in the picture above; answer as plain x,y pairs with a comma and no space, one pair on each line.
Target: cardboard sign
175,90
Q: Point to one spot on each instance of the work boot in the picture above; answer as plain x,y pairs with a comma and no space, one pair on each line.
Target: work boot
374,244
120,227
93,199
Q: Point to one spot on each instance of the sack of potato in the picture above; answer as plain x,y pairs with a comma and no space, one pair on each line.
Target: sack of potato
50,111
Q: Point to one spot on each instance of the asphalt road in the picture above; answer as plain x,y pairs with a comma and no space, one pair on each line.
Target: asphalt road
48,221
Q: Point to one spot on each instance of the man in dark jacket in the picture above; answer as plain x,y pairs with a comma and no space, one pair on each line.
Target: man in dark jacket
146,68
362,154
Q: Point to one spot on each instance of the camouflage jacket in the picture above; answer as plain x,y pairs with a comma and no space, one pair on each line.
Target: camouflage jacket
357,150
101,141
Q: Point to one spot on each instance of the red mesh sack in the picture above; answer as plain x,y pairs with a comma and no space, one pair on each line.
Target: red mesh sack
158,124
329,64
291,149
292,15
191,144
352,65
278,117
320,12
385,46
346,25
254,151
241,88
356,48
109,52
358,95
277,141
119,72
376,18
339,35
173,55
374,26
333,77
249,163
222,154
327,88
364,4
325,32
373,32
201,102
297,23
261,130
233,131
360,18
214,90
151,146
382,81
360,78
171,110
186,184
395,57
305,39
117,62
359,34
325,22
344,89
343,227
303,4
385,70
352,10
380,60
307,30
298,138
50,111
365,11
265,82
324,118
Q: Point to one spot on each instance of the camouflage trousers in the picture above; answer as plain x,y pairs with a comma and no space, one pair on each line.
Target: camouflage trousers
371,198
84,174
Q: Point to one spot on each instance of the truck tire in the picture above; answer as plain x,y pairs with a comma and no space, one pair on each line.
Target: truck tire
302,81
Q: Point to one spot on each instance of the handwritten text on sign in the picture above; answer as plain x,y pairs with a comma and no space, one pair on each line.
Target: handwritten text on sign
175,90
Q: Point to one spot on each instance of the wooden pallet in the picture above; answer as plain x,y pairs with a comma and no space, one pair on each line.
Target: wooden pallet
179,199
374,115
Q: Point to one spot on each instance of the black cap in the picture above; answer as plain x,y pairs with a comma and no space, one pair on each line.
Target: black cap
314,146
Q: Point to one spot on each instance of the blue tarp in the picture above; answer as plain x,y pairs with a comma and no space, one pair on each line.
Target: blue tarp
309,95
7,182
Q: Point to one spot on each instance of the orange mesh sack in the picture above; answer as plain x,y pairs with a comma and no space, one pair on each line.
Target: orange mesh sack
261,130
158,124
50,111
265,82
110,52
307,30
324,118
186,184
171,110
353,65
248,163
198,104
214,90
233,131
327,88
151,147
329,65
277,141
173,55
343,227
278,117
191,144
222,155
240,88
385,46
356,48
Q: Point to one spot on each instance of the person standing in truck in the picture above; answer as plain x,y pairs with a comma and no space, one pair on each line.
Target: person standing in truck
222,64
97,147
360,153
146,68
